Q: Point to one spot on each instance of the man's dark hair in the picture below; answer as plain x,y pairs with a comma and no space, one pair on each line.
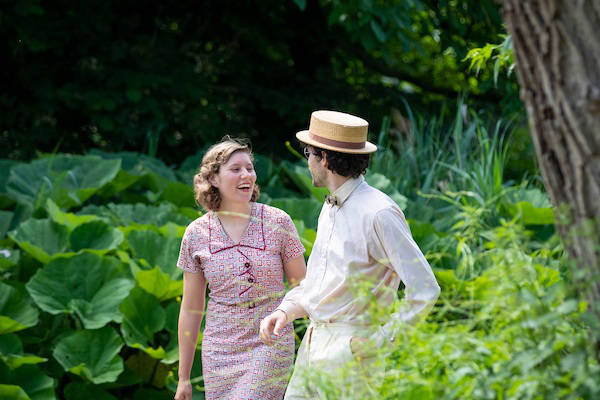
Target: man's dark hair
344,164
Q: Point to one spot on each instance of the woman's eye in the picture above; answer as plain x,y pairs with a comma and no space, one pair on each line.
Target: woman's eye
235,169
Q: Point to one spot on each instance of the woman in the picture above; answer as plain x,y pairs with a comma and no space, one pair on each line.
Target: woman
241,249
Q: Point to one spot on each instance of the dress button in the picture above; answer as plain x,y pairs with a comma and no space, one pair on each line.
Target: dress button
250,280
247,265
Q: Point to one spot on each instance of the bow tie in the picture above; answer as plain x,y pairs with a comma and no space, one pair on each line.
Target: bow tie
332,200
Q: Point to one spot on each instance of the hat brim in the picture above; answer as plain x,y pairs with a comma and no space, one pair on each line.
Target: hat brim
304,137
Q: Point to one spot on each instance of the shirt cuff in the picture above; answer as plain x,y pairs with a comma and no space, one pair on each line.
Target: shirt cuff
291,309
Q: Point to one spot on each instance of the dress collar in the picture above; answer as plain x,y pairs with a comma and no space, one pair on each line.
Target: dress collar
253,236
341,194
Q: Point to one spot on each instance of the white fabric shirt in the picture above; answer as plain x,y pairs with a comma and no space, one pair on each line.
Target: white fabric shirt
363,240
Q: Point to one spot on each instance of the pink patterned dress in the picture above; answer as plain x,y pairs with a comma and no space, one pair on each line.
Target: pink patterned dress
245,282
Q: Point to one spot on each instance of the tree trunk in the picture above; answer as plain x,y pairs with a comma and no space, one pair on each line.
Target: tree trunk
557,54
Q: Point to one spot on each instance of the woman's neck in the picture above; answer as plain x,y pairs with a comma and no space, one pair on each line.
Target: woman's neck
234,210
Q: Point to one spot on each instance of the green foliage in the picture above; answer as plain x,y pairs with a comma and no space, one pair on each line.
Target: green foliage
167,82
502,54
87,285
15,311
68,180
105,289
91,354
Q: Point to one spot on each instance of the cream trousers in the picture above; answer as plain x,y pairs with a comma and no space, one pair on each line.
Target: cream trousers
326,368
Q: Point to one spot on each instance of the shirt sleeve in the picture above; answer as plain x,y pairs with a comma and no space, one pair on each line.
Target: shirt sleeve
291,246
403,255
187,261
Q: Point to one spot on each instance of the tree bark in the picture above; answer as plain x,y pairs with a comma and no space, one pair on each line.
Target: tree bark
557,54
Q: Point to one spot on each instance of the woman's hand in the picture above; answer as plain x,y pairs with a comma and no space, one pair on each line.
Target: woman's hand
184,390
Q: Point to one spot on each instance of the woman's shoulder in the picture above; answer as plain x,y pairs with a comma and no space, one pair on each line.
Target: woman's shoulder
274,217
273,213
199,225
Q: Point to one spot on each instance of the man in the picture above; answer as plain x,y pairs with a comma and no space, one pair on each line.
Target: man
362,251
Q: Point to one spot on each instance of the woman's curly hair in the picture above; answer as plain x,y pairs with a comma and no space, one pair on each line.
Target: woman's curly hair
205,193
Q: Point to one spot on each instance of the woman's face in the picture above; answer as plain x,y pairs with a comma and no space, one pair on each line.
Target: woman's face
235,179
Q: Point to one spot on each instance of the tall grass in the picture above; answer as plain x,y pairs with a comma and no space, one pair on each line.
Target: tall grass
508,324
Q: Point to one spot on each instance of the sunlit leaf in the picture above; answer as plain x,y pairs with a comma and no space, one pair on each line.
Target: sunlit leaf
11,352
41,238
158,283
16,313
70,220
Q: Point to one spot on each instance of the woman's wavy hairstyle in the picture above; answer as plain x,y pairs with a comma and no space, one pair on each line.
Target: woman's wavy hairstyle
205,193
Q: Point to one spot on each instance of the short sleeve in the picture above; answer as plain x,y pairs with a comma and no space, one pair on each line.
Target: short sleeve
187,261
291,246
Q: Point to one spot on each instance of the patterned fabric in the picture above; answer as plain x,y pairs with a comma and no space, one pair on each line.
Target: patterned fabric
245,282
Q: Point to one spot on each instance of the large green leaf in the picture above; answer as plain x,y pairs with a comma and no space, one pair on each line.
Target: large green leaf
70,220
300,175
307,235
91,354
31,380
5,219
139,169
531,215
306,209
88,285
11,352
382,183
68,180
5,200
12,392
156,250
142,214
158,283
5,166
9,258
171,326
143,316
41,238
86,391
178,193
15,311
95,235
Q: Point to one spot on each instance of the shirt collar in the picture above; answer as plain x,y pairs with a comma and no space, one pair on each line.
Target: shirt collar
341,194
253,237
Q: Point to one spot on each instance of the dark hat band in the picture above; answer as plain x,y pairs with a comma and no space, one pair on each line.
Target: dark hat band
336,143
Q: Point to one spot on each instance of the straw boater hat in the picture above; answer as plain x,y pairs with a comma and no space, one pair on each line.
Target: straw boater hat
337,131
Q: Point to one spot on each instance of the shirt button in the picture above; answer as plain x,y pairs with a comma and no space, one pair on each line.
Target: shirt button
247,265
250,280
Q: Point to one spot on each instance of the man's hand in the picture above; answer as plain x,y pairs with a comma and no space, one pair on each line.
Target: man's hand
272,326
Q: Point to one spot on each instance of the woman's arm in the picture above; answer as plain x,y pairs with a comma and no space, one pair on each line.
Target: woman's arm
295,270
190,317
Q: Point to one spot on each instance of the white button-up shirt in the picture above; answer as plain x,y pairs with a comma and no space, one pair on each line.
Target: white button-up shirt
362,251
